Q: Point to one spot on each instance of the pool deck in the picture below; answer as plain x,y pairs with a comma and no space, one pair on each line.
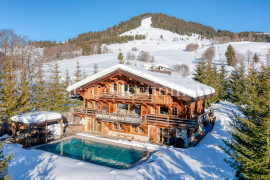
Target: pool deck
147,152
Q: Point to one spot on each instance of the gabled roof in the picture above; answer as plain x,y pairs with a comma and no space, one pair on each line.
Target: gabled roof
184,85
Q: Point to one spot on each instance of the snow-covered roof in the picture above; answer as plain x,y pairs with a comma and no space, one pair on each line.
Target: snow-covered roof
36,117
184,85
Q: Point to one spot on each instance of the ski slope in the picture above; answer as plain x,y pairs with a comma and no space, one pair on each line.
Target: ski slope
165,51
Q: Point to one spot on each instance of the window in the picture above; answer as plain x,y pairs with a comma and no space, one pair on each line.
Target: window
99,126
166,136
133,128
140,130
95,105
115,88
135,109
132,88
114,126
121,127
142,89
174,111
153,110
163,110
122,108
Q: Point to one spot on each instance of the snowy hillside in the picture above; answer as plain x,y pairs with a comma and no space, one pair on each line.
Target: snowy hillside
170,50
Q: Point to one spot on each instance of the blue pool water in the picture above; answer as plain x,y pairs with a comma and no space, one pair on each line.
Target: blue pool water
95,152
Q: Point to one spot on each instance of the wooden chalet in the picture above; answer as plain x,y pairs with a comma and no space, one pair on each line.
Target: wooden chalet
137,104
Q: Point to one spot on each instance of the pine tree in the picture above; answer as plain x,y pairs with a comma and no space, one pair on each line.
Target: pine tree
230,56
249,148
67,98
56,92
223,86
4,162
238,85
40,103
8,92
95,71
24,99
84,74
256,58
200,71
78,73
120,58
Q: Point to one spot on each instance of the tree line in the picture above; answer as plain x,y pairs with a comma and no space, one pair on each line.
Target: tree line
248,87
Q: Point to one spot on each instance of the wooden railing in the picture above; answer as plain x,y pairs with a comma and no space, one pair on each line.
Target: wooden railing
82,110
148,118
207,116
114,117
125,96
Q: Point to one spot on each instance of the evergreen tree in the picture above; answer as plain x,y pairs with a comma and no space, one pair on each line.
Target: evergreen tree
56,92
200,71
256,58
84,74
95,71
67,98
238,85
249,148
230,56
120,58
222,91
4,162
40,91
24,99
8,92
78,73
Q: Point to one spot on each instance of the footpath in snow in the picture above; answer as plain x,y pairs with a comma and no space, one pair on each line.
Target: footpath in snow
205,161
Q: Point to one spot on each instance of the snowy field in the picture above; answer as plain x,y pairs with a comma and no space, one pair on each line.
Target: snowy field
165,51
205,161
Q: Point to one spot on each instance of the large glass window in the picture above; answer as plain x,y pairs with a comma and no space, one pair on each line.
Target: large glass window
174,111
135,109
122,108
132,88
142,89
166,136
115,88
99,126
163,110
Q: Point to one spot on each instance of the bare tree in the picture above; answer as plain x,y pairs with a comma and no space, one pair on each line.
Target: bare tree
182,70
192,47
209,54
144,56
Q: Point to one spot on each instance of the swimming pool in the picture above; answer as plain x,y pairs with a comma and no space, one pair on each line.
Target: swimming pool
105,154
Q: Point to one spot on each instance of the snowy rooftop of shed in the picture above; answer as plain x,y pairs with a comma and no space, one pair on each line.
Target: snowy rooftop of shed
185,85
36,117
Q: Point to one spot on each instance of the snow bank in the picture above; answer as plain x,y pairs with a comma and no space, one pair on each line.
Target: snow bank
35,117
184,85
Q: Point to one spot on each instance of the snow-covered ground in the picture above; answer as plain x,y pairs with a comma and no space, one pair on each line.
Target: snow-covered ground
169,50
205,161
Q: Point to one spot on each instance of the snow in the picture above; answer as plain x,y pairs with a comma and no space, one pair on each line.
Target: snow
35,117
184,85
205,161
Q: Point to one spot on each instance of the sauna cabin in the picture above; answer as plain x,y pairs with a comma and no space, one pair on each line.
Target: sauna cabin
137,104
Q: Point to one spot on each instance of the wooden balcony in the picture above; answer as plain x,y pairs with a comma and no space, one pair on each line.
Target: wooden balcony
114,117
191,123
147,118
86,111
126,97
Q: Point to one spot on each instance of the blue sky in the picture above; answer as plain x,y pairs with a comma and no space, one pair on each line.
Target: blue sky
62,19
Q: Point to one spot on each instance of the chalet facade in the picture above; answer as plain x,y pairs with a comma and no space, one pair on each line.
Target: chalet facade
136,104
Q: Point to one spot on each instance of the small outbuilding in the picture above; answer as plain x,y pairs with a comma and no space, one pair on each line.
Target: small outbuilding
34,125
